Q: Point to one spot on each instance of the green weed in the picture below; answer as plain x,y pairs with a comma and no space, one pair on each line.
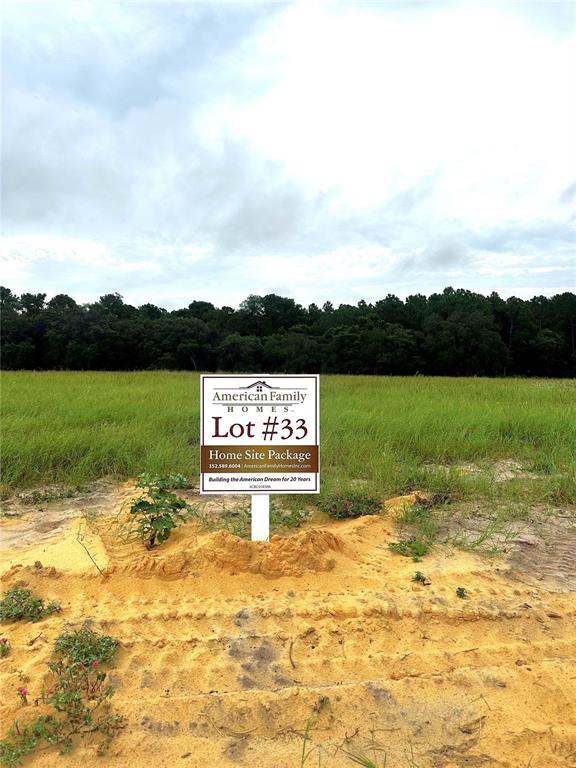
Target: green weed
414,548
79,695
20,604
157,511
421,520
305,739
235,521
489,532
379,758
85,646
365,761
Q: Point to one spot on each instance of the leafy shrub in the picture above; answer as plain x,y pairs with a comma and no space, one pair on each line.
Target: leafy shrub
19,603
24,738
461,592
414,548
85,646
4,647
421,578
342,506
158,510
79,695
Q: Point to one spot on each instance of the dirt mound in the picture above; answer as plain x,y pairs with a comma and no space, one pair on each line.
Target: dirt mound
306,552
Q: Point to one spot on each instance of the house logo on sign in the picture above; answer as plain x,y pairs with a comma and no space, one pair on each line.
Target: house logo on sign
259,386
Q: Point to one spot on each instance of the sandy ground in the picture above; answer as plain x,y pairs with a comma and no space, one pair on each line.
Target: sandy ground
228,646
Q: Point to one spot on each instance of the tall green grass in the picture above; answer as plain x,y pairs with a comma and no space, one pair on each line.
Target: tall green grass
382,435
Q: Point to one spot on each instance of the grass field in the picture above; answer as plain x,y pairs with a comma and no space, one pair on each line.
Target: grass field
438,630
379,435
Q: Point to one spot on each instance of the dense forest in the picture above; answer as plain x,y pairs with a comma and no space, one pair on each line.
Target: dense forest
454,333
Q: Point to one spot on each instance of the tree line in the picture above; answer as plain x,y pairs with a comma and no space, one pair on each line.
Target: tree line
453,333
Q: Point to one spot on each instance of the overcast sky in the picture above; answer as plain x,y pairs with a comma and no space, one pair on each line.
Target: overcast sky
319,150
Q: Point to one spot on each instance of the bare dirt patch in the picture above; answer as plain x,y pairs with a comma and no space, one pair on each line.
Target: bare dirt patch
549,553
228,646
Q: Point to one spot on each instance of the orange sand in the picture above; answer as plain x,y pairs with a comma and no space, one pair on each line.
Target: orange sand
228,647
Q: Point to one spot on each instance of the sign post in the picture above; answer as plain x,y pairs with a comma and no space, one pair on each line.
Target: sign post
259,435
260,517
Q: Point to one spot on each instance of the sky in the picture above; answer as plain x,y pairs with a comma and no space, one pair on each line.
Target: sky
325,151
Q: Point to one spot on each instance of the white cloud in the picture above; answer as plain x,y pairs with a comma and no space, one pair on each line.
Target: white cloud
328,149
369,104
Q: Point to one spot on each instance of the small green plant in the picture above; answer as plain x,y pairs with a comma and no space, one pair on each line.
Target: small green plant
323,701
365,761
158,510
305,754
85,646
420,578
420,519
24,738
341,506
4,647
461,592
79,695
414,548
235,521
19,603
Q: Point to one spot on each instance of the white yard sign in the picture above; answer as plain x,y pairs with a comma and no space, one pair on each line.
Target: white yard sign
259,434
